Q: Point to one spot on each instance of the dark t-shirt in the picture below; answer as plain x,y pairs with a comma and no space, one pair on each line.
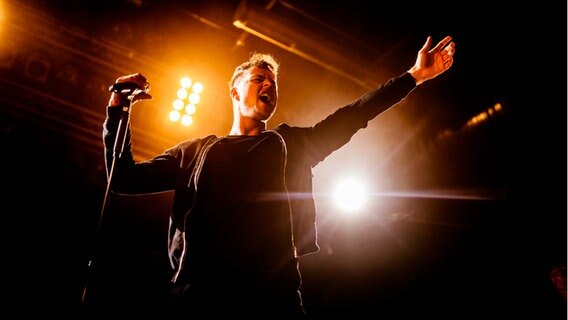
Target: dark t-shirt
241,218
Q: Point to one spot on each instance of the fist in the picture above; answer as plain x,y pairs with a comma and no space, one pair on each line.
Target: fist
132,81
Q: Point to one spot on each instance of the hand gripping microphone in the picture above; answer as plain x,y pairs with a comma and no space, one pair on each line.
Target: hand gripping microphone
129,88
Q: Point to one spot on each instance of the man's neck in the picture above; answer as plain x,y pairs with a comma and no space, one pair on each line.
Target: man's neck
247,128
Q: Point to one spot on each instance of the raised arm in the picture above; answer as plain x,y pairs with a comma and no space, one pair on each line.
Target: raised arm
337,129
156,174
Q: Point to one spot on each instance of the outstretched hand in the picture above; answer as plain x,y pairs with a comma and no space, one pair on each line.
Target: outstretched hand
432,62
139,81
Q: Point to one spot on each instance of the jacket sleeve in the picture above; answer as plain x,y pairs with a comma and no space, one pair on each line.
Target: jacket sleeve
307,146
153,175
337,129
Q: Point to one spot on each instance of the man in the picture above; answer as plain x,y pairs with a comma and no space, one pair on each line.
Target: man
243,210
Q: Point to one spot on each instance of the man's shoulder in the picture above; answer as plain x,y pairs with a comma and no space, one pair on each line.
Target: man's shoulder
198,141
194,143
294,135
284,128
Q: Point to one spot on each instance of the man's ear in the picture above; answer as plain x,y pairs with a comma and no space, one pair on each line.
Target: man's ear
234,93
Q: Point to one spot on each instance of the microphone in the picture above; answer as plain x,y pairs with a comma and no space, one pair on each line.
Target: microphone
129,88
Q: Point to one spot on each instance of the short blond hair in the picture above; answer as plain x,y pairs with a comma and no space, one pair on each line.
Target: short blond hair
260,60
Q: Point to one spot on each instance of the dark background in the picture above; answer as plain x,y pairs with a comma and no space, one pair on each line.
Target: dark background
466,221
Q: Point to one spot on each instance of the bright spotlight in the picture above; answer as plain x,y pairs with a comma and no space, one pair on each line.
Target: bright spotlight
350,195
197,87
190,109
185,82
186,120
194,98
182,93
178,104
185,104
174,115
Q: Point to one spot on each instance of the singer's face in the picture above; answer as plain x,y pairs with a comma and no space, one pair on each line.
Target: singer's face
257,94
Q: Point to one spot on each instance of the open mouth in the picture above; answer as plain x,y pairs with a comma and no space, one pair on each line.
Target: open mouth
265,98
